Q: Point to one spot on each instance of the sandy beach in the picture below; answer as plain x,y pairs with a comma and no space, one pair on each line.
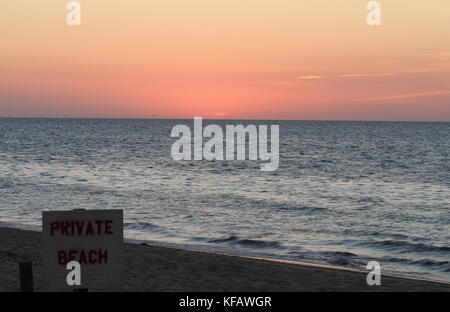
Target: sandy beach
153,268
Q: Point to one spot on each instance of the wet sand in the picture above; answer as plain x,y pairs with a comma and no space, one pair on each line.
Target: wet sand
154,268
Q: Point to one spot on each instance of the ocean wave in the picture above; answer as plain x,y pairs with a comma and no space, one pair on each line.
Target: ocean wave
442,265
247,242
284,206
408,246
144,226
344,258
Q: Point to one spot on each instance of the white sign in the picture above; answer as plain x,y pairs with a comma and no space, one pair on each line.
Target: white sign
93,238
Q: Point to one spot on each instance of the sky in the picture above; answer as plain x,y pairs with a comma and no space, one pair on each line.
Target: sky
232,59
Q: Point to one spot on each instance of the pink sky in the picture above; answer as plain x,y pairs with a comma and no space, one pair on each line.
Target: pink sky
250,59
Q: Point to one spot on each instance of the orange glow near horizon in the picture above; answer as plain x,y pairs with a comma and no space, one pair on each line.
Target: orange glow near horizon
252,59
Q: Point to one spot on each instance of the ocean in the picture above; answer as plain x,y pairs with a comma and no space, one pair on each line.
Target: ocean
345,193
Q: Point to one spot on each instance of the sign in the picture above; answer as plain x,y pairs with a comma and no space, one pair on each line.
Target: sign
93,238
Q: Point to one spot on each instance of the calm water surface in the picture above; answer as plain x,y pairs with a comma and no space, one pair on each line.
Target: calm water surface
345,192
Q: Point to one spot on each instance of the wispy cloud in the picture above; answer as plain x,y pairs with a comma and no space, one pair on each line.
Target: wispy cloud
411,95
430,70
310,77
365,75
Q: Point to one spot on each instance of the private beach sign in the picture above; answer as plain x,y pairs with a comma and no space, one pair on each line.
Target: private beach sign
93,238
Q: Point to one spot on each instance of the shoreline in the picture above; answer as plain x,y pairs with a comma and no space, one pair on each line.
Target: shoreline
156,268
187,247
292,262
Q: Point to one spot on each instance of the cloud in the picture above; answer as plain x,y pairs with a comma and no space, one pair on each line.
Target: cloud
411,95
310,77
365,75
429,70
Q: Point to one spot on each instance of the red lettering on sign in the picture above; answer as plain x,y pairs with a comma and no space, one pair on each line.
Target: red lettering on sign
64,230
54,226
90,229
103,256
93,256
72,254
108,230
99,226
80,228
82,257
62,257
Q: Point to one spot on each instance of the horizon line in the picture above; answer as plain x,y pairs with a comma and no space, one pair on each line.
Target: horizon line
243,119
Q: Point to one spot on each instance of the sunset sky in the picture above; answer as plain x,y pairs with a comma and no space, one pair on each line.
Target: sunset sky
243,59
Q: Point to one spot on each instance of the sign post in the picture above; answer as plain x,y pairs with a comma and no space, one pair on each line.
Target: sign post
93,238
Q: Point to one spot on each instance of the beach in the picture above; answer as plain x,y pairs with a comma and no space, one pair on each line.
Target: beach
155,269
